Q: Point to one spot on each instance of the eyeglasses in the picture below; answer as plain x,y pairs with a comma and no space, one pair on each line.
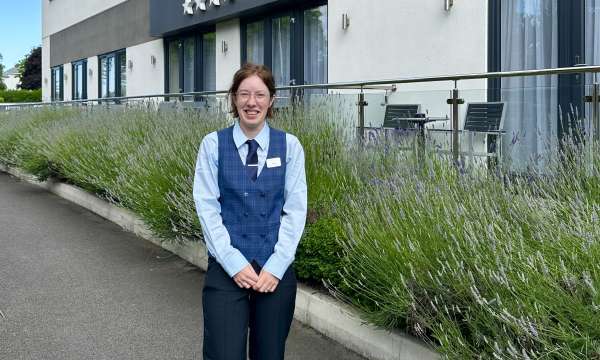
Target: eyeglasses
259,96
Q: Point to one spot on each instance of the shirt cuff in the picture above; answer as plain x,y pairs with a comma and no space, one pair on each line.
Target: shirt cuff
276,266
234,263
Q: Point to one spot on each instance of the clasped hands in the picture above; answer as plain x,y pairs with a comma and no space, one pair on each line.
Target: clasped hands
263,282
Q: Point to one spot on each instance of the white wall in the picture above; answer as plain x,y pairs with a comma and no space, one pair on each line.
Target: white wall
60,14
92,80
393,39
46,78
144,78
406,38
11,82
229,62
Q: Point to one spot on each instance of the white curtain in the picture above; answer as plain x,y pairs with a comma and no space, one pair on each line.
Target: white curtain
529,41
315,47
173,67
189,54
592,34
281,50
209,61
592,47
255,43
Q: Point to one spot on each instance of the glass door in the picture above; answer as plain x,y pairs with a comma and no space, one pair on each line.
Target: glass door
315,47
543,111
281,47
592,35
528,40
255,42
209,61
592,51
293,44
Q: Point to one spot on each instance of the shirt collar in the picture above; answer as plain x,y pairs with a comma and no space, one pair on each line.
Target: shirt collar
262,138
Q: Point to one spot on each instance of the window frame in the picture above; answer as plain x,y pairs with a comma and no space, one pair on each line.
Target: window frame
198,35
74,64
60,95
297,36
118,55
571,43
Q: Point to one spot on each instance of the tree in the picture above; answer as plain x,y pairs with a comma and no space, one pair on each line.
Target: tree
30,70
2,85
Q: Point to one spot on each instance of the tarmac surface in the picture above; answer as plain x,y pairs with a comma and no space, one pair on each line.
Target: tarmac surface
76,286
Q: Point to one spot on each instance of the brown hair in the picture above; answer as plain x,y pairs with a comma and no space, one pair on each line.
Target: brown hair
247,70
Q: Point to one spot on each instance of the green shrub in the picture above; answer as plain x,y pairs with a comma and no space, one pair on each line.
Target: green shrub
20,96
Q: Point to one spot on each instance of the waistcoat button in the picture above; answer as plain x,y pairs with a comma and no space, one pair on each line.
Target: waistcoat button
263,214
262,194
244,236
246,214
263,236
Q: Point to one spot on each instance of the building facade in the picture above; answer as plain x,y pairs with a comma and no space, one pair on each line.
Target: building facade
105,48
99,48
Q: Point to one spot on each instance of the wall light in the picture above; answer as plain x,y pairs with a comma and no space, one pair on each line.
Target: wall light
448,4
153,60
45,80
129,64
90,72
345,21
224,46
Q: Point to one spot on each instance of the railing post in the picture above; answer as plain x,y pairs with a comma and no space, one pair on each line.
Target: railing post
596,111
595,124
361,115
455,101
593,128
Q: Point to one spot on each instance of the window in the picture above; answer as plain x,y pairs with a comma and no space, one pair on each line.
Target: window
57,83
315,45
209,61
534,35
79,86
255,42
292,44
191,63
113,75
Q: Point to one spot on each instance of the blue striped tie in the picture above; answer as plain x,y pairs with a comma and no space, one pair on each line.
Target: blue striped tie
252,159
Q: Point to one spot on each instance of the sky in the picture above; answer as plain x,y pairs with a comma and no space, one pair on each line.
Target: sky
20,29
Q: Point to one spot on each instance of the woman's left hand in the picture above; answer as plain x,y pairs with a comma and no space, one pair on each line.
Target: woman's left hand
267,282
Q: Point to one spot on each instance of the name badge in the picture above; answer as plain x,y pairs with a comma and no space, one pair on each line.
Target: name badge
273,162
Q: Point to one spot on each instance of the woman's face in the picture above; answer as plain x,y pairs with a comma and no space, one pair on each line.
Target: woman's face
252,101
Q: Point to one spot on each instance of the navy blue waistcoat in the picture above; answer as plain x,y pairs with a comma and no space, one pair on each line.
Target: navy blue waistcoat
251,210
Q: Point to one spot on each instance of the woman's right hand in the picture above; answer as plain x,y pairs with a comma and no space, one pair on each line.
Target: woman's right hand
246,278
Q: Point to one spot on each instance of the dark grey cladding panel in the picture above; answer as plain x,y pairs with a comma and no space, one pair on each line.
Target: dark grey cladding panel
167,17
124,25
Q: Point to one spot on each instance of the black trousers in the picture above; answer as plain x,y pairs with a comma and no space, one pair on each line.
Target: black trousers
230,312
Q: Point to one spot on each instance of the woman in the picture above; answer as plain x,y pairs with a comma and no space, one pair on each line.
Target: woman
250,195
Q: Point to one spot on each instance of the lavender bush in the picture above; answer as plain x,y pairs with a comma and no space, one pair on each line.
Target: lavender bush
482,264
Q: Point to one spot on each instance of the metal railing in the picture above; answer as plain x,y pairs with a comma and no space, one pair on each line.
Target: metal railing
296,91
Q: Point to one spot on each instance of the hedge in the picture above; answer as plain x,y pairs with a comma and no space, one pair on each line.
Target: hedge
20,96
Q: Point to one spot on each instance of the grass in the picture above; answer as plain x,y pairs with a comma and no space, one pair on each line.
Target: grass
480,264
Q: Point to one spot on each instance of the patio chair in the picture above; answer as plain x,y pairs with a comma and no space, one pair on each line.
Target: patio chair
395,126
395,113
482,118
485,118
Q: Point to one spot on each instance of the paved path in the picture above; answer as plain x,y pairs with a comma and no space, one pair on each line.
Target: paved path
75,286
